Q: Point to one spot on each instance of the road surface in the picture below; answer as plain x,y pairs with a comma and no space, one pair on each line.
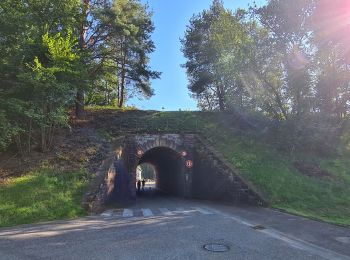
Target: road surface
170,228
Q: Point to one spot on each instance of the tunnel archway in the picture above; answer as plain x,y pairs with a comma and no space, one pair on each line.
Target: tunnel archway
169,168
187,166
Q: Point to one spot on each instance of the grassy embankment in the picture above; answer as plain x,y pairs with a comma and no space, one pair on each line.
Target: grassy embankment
41,195
270,170
47,194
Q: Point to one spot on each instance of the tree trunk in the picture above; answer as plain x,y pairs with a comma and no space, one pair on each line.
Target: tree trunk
121,99
79,104
122,83
219,93
278,98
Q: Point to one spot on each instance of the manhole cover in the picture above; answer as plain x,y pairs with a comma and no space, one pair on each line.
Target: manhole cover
216,247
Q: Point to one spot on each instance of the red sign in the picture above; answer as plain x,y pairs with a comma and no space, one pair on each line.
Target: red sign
139,152
189,163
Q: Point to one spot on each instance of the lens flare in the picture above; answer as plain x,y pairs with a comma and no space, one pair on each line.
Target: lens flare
332,21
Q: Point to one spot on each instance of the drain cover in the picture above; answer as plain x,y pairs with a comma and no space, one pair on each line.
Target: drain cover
216,247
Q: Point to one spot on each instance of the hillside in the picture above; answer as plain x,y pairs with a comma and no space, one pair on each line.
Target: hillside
304,184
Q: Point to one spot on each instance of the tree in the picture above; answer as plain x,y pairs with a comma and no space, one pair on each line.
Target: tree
215,45
38,69
103,91
263,76
287,25
116,36
229,38
46,90
79,103
54,52
129,29
329,24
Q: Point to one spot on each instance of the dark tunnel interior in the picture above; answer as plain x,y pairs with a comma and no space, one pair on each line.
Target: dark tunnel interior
168,166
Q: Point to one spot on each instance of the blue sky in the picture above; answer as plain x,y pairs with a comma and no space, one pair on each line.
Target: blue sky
170,19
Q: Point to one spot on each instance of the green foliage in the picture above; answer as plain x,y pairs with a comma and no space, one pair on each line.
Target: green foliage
53,51
49,88
41,196
147,171
103,91
129,29
60,50
39,67
199,49
112,108
7,131
275,59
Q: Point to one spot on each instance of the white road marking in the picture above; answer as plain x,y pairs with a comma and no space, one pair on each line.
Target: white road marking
184,211
107,213
127,213
305,246
179,210
290,240
203,211
166,212
147,212
344,240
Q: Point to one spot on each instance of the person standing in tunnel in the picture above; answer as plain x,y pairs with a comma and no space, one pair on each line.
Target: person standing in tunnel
138,186
143,184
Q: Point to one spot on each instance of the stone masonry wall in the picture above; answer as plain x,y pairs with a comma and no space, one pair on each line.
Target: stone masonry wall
102,187
215,179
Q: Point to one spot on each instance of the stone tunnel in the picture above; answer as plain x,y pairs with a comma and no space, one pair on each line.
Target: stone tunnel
186,167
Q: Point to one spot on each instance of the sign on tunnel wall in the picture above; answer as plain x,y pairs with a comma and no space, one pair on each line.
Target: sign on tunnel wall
139,152
189,164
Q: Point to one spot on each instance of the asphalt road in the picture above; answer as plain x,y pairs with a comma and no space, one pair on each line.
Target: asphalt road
169,228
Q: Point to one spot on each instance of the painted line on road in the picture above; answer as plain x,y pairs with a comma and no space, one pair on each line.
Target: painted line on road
127,213
203,211
166,212
305,246
147,212
107,213
183,211
179,210
290,240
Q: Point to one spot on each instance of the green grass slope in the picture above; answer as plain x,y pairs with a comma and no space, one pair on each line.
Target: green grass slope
41,196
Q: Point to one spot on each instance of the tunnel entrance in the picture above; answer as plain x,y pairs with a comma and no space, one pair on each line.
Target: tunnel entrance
186,166
168,153
169,170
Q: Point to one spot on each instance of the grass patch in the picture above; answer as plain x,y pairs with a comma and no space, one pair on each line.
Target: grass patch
273,173
42,195
110,108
